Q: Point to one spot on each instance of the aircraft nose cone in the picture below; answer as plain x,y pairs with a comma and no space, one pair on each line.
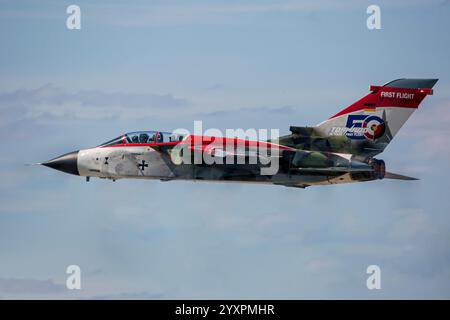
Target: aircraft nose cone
65,163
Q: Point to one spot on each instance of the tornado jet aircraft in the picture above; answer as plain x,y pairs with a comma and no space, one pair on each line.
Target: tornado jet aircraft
341,149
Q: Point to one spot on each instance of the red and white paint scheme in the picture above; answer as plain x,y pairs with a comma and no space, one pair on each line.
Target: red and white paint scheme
394,103
341,149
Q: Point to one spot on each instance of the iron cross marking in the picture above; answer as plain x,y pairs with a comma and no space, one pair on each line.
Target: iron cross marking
143,165
106,160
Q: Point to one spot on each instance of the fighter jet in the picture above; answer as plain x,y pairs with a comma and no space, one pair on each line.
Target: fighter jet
340,149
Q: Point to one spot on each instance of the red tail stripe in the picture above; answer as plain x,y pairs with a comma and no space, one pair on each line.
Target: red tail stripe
387,97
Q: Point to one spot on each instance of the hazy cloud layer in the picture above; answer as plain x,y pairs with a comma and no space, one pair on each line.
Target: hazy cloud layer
260,64
28,286
200,12
144,295
50,102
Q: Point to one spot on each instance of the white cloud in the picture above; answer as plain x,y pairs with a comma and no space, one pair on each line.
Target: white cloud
428,130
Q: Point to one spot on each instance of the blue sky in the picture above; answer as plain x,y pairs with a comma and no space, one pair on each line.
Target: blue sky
233,64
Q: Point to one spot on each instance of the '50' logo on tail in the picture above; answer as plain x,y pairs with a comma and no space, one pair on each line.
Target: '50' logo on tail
361,126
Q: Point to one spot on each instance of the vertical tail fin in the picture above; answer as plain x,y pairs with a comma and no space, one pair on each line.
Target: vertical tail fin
369,124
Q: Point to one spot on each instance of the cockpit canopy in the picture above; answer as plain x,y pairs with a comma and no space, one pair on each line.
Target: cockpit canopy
144,137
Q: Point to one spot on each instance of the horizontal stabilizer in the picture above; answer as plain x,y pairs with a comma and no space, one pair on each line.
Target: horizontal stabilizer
334,169
390,175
